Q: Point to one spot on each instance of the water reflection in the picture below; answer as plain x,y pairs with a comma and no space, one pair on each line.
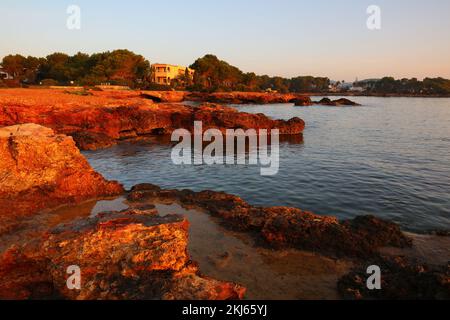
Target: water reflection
388,158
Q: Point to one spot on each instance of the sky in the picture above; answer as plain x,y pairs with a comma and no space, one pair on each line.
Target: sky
276,37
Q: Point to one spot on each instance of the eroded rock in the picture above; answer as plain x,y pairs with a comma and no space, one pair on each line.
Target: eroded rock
105,118
336,103
401,278
244,97
303,101
40,169
121,255
288,227
165,96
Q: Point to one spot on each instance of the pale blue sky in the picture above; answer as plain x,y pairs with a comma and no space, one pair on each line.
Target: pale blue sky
275,37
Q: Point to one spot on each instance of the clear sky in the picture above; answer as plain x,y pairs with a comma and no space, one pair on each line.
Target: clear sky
275,37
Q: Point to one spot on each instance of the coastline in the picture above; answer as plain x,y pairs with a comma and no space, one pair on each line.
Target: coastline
158,243
388,95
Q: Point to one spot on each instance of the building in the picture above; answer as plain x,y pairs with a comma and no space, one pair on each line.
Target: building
356,89
165,73
368,84
5,75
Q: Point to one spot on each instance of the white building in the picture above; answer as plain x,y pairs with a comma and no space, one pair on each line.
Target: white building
5,75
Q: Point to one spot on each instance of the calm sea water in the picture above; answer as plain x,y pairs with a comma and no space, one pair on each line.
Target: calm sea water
389,158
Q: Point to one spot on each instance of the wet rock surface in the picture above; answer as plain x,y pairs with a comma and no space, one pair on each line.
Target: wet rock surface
288,227
303,102
132,254
336,103
306,102
401,278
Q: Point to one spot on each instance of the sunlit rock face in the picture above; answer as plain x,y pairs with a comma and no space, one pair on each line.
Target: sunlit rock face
245,97
133,254
102,119
40,169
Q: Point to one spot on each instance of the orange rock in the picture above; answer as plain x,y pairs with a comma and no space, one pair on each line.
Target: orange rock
120,256
40,169
22,277
165,96
100,120
245,97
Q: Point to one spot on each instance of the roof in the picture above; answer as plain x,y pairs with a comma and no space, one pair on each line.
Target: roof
169,65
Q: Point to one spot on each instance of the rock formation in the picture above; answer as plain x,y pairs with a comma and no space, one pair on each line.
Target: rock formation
133,254
165,96
306,101
127,255
303,101
288,227
103,119
244,97
336,103
401,279
40,169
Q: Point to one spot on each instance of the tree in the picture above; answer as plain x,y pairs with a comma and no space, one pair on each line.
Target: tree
14,65
118,67
56,67
212,74
187,77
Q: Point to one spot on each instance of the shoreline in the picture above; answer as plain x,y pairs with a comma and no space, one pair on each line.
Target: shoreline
102,119
212,210
389,95
46,165
179,96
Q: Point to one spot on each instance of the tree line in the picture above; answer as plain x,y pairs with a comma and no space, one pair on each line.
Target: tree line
123,67
389,85
212,74
119,67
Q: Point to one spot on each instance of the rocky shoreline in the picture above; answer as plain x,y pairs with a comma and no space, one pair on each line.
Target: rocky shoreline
103,119
126,255
306,102
286,227
137,253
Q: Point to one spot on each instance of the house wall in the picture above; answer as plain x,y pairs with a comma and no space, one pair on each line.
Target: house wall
5,76
165,73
